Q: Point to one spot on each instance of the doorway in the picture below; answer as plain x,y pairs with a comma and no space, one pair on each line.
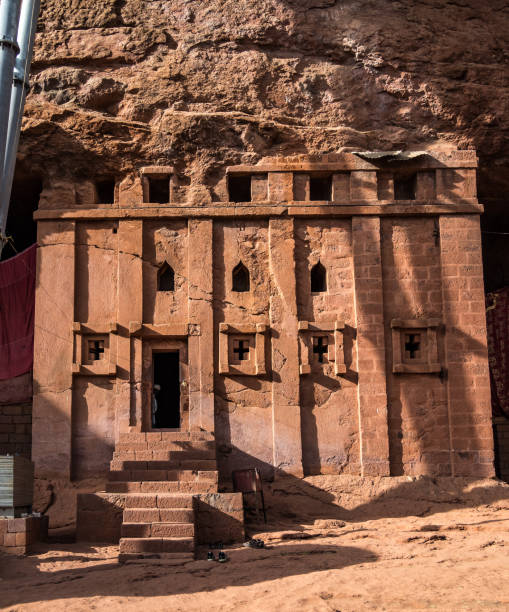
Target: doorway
166,390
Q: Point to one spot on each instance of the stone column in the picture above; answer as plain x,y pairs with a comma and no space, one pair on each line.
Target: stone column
130,309
201,341
287,441
466,354
372,392
53,350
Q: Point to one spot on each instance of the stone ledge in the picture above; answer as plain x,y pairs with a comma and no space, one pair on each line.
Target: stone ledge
271,209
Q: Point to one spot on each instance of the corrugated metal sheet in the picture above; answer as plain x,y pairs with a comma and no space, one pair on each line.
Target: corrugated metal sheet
16,481
390,155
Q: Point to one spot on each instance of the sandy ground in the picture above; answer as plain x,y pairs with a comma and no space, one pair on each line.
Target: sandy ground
446,560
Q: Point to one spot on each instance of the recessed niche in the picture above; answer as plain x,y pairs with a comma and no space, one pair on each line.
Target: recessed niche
415,346
321,348
240,278
94,353
318,278
239,188
242,349
320,188
166,278
105,190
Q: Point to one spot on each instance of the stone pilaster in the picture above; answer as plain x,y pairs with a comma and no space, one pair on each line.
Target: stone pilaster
130,309
466,351
201,317
372,392
53,350
286,419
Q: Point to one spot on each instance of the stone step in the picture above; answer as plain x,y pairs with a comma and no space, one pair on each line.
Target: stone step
189,464
157,486
163,451
172,501
161,529
158,515
156,558
156,545
170,475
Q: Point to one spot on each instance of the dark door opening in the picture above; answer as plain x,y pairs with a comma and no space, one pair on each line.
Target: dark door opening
166,391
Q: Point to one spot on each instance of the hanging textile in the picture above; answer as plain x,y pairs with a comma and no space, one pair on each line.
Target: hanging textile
17,306
497,320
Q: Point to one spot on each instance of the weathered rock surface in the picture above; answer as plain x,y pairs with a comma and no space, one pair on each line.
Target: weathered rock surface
199,85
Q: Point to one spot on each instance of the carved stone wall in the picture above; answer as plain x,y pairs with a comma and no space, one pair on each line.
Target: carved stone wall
365,368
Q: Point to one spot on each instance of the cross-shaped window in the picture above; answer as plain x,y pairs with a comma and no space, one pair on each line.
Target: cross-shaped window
320,347
241,349
95,349
412,345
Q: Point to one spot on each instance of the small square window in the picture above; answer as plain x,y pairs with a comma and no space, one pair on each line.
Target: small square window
320,188
412,346
105,190
321,348
240,350
158,190
95,350
405,186
239,188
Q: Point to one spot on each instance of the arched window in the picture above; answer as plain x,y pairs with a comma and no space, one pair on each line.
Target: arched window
166,278
240,278
318,278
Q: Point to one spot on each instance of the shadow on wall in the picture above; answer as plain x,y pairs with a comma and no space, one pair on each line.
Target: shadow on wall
301,501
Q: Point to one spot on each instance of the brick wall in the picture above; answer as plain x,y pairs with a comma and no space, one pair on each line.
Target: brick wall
16,429
16,416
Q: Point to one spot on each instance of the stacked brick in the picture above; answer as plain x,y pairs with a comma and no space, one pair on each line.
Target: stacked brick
18,535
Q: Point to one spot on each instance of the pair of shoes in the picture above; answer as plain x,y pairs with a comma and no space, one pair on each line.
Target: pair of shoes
254,544
221,557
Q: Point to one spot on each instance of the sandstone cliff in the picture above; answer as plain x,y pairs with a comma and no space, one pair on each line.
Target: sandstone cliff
203,84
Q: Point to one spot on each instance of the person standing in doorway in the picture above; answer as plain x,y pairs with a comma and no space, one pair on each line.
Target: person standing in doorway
155,393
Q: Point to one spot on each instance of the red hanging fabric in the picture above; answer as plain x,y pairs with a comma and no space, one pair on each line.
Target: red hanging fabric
497,320
17,306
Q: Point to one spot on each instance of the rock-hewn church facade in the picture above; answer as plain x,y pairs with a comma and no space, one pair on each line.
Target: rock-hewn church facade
327,318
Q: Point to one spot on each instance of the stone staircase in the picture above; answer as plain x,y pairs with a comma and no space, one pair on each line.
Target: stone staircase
160,472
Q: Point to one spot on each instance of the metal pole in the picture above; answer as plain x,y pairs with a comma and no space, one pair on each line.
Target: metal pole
20,88
9,17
